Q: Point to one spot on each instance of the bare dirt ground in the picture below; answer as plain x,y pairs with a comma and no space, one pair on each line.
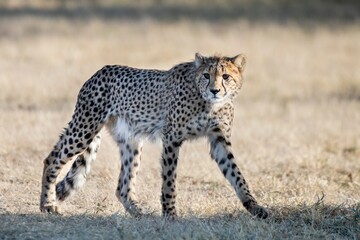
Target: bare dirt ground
296,134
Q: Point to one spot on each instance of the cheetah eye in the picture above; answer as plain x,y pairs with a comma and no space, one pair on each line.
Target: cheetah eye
206,75
225,76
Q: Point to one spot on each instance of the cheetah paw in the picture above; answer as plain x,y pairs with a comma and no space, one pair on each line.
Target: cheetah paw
256,209
135,210
171,215
259,212
50,209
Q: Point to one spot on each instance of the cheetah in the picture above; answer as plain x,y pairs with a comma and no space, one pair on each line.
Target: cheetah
190,100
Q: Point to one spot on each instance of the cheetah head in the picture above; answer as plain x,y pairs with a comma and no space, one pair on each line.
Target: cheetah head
219,78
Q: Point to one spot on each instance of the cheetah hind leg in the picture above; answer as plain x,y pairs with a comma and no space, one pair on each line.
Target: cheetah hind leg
130,160
76,176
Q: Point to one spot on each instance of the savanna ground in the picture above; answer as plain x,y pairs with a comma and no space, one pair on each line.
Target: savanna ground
296,134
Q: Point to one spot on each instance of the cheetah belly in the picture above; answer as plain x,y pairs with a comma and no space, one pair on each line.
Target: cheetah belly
123,129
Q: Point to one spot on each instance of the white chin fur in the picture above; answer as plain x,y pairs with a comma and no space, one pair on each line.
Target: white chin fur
215,100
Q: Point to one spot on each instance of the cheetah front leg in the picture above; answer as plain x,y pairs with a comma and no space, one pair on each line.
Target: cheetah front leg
130,152
221,152
169,162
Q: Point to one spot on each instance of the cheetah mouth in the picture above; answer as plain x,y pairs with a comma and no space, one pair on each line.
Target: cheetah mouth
216,99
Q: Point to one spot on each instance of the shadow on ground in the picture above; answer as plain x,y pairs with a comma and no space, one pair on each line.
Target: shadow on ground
313,221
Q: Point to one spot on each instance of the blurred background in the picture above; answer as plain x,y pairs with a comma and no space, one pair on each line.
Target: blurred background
48,48
299,52
296,132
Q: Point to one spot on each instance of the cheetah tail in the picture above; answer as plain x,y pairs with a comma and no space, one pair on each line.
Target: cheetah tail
76,177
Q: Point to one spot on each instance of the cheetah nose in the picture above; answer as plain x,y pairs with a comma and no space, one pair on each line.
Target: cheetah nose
214,91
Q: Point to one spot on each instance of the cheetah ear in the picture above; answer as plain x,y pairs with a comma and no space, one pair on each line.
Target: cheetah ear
239,61
199,60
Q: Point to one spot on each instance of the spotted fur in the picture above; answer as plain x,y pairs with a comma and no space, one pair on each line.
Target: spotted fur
190,100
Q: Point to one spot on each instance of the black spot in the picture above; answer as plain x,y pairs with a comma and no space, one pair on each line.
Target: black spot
216,129
169,173
74,165
88,135
79,145
230,156
225,171
170,150
248,204
170,161
177,144
222,161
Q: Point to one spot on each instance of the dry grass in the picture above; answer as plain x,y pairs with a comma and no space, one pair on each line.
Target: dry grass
296,134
